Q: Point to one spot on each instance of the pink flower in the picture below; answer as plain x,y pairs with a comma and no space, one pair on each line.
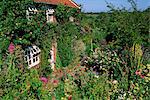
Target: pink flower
11,48
142,76
44,80
82,69
138,72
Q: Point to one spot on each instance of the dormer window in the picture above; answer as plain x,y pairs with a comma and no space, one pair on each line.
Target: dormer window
30,12
32,56
50,15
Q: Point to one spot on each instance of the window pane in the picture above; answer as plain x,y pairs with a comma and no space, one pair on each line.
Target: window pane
25,58
28,52
34,50
30,62
33,60
36,58
29,56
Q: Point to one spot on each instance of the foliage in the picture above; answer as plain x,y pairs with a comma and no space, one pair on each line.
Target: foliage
113,48
103,62
63,13
67,34
16,84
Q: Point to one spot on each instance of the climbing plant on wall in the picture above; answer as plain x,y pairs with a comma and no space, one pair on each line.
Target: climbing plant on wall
63,13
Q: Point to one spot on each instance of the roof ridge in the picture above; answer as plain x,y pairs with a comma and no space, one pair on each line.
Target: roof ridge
75,3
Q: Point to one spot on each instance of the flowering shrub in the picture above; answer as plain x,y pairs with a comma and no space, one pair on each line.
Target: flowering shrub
104,61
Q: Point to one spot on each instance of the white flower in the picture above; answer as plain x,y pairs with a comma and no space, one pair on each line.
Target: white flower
114,81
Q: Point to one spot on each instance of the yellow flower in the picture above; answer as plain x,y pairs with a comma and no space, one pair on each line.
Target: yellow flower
137,50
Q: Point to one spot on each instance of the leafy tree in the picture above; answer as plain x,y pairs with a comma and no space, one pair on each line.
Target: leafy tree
63,13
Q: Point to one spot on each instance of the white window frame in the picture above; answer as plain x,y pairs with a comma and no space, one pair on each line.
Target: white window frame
50,15
32,56
30,11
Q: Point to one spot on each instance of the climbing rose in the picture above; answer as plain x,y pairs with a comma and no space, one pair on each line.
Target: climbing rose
44,80
11,48
138,72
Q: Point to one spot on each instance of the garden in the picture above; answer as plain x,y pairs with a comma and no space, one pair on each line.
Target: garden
102,56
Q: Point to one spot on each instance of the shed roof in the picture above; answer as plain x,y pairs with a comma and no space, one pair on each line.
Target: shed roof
69,3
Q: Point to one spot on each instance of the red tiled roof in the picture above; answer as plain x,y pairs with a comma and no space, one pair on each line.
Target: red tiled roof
69,3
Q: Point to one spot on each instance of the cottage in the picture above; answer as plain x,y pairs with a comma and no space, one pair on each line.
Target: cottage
50,6
32,53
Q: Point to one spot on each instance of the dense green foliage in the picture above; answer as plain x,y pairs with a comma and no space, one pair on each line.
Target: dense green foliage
99,57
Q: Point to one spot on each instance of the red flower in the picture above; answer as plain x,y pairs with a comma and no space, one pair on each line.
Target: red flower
44,80
70,97
142,76
11,48
55,82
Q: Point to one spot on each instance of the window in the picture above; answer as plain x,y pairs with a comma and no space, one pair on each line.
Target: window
25,59
30,12
29,62
32,56
33,60
36,58
29,56
49,15
34,50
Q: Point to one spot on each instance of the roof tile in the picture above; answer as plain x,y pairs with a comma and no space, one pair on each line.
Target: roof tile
69,3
